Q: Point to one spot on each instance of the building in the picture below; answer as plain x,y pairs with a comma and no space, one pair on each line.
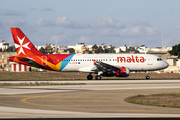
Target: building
5,45
89,47
15,67
117,50
143,49
77,47
160,49
123,48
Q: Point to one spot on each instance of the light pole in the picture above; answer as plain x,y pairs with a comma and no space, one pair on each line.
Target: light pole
3,55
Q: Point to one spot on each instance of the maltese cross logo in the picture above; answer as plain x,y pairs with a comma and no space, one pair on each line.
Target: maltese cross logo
21,45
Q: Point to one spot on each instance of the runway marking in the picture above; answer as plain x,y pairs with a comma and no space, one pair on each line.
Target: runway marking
32,100
76,100
85,93
109,93
64,93
25,101
84,97
93,105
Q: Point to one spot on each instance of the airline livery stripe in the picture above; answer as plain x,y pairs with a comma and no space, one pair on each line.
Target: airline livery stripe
66,61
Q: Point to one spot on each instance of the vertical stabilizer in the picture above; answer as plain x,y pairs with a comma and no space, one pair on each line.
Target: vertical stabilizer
22,44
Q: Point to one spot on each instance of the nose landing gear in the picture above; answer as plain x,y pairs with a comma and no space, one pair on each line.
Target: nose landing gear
147,76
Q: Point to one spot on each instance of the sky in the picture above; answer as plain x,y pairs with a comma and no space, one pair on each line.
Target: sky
112,22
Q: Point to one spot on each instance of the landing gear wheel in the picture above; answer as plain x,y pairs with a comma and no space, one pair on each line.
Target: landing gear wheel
89,77
147,77
98,77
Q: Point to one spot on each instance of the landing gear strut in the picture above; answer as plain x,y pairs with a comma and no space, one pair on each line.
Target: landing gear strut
147,76
90,77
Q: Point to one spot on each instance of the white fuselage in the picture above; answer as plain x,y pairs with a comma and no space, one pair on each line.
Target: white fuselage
135,62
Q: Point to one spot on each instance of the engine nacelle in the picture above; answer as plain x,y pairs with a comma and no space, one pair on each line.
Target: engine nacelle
122,72
117,72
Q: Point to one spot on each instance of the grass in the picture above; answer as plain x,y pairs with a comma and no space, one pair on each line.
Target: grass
38,84
75,76
161,100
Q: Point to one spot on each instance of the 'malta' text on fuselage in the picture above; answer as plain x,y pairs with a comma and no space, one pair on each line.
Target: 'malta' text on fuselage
131,59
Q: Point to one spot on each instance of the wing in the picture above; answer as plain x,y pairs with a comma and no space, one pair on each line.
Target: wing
101,66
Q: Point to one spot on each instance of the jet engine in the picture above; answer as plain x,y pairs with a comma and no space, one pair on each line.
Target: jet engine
122,72
117,72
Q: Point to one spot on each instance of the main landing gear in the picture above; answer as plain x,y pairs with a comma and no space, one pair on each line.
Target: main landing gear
147,76
90,77
98,77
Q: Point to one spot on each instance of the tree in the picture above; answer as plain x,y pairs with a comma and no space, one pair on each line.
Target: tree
48,49
71,50
11,49
100,49
112,50
95,48
175,50
42,50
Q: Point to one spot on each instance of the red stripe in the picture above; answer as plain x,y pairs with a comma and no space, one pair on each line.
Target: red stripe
24,67
14,67
19,67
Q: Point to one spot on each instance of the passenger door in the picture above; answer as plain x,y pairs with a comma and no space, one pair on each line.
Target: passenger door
149,60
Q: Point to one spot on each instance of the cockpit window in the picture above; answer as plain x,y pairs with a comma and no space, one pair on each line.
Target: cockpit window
159,59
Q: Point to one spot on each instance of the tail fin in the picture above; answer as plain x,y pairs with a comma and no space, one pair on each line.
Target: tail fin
23,44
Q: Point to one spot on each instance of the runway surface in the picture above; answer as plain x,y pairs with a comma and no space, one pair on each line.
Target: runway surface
104,98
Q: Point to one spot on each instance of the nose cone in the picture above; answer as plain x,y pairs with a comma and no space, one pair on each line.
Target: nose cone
165,64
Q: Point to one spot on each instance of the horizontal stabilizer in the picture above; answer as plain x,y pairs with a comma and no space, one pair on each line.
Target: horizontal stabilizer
26,60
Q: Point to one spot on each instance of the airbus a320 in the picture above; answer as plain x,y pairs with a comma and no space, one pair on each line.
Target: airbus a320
107,65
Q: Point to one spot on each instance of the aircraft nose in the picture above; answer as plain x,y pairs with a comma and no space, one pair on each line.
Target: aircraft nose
165,64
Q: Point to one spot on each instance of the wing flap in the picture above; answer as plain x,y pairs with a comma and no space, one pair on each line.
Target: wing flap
103,66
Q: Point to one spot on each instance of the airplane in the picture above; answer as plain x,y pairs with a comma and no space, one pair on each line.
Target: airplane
106,65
